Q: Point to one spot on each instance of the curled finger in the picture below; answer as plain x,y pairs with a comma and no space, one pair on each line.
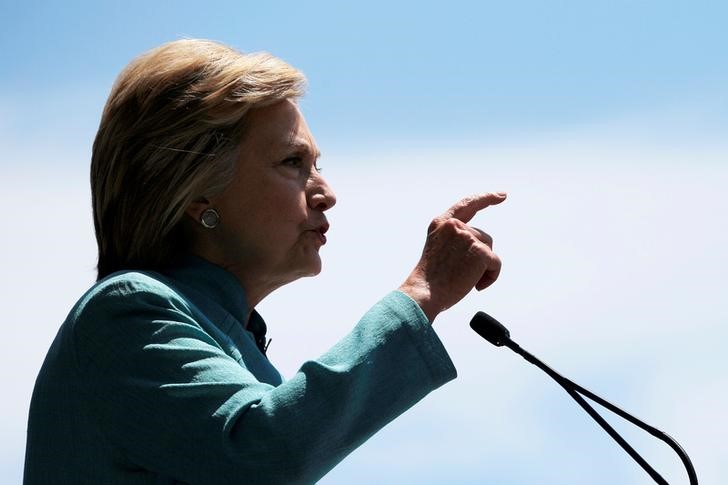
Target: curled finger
492,271
483,236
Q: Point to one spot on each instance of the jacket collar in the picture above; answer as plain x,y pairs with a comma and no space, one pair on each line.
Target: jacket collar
223,288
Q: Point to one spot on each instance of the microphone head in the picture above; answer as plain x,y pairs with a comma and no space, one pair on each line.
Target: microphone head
490,329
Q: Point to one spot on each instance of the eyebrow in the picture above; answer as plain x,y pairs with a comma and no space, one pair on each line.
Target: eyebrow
300,146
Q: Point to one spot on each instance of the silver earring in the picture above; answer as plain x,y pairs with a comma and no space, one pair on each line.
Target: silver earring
210,218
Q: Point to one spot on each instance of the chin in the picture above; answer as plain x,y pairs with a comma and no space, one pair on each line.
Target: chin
315,269
311,267
314,266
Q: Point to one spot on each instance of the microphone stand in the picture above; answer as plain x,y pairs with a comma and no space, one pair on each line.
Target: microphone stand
497,334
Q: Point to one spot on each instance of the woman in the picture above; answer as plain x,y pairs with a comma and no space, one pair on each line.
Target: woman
206,198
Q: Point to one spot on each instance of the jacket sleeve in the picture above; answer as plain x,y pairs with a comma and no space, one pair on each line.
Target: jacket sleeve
173,402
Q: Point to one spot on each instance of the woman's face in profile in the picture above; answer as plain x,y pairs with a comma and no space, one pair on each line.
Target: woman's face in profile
272,213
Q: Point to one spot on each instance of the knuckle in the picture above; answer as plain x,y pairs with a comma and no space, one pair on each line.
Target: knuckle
464,202
486,255
435,223
483,235
495,266
478,249
451,225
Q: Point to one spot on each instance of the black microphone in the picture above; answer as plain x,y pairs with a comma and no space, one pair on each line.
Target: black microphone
496,333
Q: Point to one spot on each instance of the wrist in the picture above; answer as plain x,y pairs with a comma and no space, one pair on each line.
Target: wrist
421,295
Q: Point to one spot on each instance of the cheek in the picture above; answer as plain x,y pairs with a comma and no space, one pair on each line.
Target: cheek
285,206
280,219
274,208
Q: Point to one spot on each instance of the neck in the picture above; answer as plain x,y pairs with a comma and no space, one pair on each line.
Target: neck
256,286
257,282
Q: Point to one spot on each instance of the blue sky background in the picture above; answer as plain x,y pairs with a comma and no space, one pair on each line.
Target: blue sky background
605,121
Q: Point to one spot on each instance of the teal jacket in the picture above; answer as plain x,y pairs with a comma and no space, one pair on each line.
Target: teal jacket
152,378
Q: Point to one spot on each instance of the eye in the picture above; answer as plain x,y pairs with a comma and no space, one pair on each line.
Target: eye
295,162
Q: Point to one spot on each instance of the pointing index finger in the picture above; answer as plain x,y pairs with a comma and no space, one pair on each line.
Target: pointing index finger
465,209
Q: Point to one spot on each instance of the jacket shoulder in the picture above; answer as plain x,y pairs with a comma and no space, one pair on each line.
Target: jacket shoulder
129,288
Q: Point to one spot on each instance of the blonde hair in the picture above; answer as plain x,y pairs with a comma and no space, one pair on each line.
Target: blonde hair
169,134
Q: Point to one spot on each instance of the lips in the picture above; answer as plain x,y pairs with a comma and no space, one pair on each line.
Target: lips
320,231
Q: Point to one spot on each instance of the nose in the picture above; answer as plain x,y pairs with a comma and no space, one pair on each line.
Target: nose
321,196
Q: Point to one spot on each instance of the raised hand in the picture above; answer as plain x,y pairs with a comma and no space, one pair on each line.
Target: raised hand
456,257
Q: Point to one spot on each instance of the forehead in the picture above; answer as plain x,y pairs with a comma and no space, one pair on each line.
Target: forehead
279,127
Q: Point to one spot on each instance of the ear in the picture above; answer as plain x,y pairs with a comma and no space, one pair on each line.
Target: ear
197,207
